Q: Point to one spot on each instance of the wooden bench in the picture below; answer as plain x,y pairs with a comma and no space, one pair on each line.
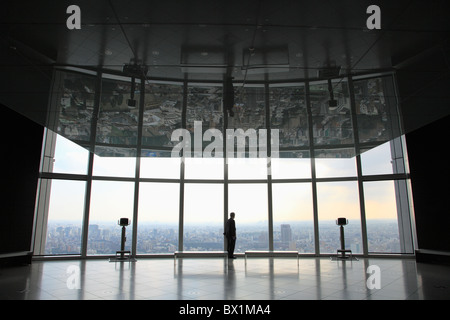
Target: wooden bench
198,254
259,253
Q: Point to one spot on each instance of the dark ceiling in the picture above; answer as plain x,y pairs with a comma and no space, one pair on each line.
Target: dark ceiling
252,40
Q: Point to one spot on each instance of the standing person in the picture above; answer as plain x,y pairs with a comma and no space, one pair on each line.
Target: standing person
230,233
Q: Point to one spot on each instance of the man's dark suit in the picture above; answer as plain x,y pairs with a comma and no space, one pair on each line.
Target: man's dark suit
230,233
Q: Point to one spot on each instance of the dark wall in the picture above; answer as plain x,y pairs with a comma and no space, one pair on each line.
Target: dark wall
424,83
21,150
429,162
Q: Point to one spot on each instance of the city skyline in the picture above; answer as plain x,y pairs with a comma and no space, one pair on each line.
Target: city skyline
154,238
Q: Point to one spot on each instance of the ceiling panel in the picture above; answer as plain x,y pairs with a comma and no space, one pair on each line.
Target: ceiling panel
314,32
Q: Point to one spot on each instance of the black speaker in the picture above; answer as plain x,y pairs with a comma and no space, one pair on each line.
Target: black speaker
341,221
124,222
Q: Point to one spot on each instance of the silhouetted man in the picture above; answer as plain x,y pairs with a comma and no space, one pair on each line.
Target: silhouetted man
230,233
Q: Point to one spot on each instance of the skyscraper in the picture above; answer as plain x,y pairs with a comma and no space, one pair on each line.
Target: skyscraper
286,234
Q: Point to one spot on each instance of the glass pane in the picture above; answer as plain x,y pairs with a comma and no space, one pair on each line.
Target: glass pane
114,165
163,106
331,123
288,114
110,201
65,216
335,163
203,168
249,109
243,136
250,204
372,110
75,105
69,157
297,167
377,160
293,221
247,168
160,167
204,105
339,200
118,116
203,217
381,216
158,218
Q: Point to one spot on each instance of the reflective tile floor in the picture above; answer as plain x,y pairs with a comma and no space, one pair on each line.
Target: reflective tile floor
218,279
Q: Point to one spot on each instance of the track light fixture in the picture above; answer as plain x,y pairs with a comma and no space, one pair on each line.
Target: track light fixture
228,96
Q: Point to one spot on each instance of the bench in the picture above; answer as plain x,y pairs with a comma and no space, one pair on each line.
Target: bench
341,254
258,253
122,255
197,254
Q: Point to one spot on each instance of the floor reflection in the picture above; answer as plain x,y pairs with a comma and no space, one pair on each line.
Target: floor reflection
219,279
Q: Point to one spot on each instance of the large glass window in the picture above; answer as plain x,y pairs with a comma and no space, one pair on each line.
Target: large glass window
291,165
65,216
247,168
249,203
203,217
158,218
339,200
377,160
293,221
110,201
204,168
114,166
319,127
381,216
335,163
69,157
159,167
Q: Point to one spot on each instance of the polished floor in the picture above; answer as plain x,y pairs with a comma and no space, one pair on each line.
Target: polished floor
219,279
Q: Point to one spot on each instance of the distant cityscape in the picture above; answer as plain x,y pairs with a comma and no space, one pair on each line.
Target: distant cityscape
104,239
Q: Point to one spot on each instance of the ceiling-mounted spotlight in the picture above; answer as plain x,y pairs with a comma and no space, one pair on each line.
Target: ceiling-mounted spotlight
228,96
135,69
131,102
331,103
329,71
